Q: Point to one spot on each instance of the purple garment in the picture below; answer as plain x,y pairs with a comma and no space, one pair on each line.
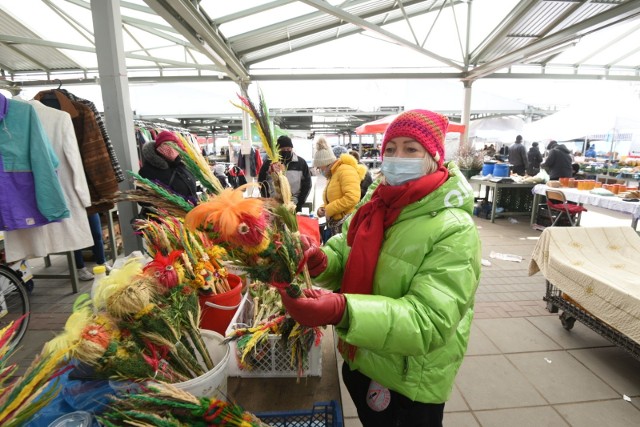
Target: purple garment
24,211
4,106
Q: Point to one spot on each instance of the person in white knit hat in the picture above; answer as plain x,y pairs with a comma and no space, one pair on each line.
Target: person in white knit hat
342,193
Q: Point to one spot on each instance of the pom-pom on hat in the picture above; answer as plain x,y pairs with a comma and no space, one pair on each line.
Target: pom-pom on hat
426,127
324,155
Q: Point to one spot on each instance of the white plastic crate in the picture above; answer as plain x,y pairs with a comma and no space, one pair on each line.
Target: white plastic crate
274,358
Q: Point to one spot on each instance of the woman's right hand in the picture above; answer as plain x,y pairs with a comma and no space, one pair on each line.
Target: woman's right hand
321,212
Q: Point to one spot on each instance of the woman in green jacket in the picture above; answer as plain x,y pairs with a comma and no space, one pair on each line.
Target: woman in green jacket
406,266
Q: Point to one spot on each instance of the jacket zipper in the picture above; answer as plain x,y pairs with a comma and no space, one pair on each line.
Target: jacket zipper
405,370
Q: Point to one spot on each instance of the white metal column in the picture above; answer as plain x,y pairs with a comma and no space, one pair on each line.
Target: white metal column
107,24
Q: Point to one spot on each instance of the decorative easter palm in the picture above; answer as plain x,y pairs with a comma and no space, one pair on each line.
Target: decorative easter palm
284,209
23,397
165,405
252,235
141,324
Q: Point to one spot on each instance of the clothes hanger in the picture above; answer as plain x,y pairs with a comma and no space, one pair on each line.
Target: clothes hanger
49,97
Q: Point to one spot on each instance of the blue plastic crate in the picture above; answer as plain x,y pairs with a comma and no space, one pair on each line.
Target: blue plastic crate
323,414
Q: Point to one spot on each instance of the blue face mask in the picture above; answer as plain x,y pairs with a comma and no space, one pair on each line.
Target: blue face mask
398,170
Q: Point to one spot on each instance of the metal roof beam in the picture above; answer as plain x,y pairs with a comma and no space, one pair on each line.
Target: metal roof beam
258,32
130,20
39,42
344,33
623,57
356,20
610,42
24,55
252,11
605,19
194,26
501,30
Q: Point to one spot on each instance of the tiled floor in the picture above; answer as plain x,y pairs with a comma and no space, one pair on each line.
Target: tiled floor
521,367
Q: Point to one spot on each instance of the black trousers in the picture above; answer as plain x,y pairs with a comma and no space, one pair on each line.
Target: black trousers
401,412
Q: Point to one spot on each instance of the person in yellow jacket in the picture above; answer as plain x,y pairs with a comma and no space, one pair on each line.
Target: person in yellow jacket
342,192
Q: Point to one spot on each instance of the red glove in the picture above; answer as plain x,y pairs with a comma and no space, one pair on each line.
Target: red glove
306,242
316,259
319,308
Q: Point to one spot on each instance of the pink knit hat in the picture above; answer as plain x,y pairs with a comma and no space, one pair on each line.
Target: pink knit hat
426,127
165,150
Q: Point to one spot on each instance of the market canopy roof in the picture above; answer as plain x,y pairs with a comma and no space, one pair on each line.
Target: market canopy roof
286,40
253,39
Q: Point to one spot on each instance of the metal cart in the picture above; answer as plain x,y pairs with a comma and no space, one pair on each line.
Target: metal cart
571,312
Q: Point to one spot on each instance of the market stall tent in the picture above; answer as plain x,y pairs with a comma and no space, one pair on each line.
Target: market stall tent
497,129
380,125
621,114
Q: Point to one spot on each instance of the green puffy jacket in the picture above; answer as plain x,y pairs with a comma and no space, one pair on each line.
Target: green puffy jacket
412,332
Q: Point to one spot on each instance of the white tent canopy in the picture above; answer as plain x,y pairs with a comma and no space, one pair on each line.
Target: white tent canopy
606,117
497,129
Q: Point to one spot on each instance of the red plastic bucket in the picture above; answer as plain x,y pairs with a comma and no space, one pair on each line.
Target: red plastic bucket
218,309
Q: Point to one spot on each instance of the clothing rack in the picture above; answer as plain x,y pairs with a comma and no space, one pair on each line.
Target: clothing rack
159,125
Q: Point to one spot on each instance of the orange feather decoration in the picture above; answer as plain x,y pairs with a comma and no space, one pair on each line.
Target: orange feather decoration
229,214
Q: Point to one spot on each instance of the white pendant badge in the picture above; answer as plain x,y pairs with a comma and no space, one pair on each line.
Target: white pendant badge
378,397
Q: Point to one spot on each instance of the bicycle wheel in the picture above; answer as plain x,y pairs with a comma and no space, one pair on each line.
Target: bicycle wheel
14,302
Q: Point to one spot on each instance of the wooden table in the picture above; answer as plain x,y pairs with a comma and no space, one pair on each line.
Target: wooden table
494,189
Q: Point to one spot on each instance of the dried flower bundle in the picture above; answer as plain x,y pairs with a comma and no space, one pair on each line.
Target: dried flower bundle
22,398
165,405
138,326
253,234
269,319
282,207
198,260
469,158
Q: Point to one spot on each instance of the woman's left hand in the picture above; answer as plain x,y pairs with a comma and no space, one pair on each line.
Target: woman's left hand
317,307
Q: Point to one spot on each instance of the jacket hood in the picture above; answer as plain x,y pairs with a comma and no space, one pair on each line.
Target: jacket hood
349,160
150,155
562,148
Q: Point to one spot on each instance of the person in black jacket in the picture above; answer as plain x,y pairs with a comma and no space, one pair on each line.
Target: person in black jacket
367,180
161,164
558,162
518,157
297,172
535,158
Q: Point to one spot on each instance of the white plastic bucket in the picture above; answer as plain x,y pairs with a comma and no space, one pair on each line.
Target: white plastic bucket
214,382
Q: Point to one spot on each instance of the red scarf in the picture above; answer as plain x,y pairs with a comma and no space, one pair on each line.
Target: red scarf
366,231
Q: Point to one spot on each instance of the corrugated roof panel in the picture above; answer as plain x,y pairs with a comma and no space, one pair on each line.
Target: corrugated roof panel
288,46
586,11
49,57
315,25
276,16
250,40
14,61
